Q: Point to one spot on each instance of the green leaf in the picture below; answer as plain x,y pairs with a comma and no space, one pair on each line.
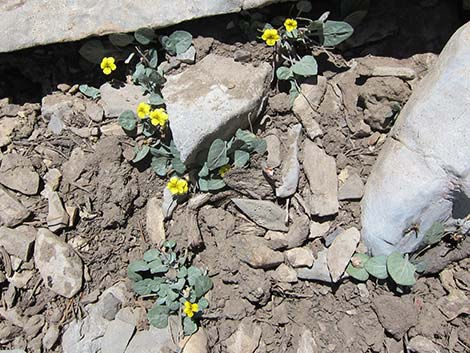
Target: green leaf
93,51
160,165
158,316
178,42
178,166
217,156
189,326
335,32
156,266
193,273
377,266
143,287
128,120
206,185
293,93
169,244
121,39
134,267
156,99
253,143
182,272
144,35
178,285
153,55
151,255
204,171
304,6
173,306
241,158
202,285
434,234
203,304
356,267
284,73
148,129
141,154
89,91
401,270
307,66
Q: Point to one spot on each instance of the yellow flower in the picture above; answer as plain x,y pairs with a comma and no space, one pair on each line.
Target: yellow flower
190,308
177,186
270,36
108,65
158,117
143,109
224,169
290,24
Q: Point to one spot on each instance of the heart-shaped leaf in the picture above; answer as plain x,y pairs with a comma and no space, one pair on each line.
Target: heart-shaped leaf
434,234
158,316
202,285
128,121
377,266
356,267
307,66
240,158
141,154
401,270
217,156
284,73
144,35
335,32
121,39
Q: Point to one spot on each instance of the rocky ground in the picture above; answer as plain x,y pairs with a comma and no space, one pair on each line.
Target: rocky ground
74,212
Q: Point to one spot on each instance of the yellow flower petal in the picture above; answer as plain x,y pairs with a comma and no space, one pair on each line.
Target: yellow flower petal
290,24
107,70
195,307
143,109
270,36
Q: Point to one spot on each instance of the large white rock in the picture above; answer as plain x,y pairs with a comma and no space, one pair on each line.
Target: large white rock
422,174
27,23
212,99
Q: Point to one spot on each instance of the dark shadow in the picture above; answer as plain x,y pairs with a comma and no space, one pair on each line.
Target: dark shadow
461,205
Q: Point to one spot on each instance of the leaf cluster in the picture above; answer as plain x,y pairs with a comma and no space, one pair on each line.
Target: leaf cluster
236,152
165,276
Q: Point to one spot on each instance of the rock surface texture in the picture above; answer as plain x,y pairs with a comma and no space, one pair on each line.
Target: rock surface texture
212,99
28,23
422,174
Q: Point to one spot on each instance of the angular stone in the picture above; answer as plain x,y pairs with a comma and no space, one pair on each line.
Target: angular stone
285,274
155,221
17,173
18,241
321,174
117,336
152,341
94,111
246,339
188,57
197,343
264,213
299,257
255,252
52,179
274,151
298,232
51,336
319,271
341,251
215,97
291,168
306,106
318,230
57,218
422,173
46,25
396,314
277,240
420,344
60,267
352,189
12,212
116,100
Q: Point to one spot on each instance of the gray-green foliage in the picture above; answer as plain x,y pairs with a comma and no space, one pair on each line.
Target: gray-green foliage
237,152
396,266
90,91
166,158
308,34
165,276
177,42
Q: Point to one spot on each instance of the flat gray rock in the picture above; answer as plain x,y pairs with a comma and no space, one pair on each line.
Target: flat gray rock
12,211
155,221
152,341
117,336
211,100
341,251
117,99
321,174
60,267
255,252
17,173
28,23
18,241
290,171
422,174
264,213
319,270
352,189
